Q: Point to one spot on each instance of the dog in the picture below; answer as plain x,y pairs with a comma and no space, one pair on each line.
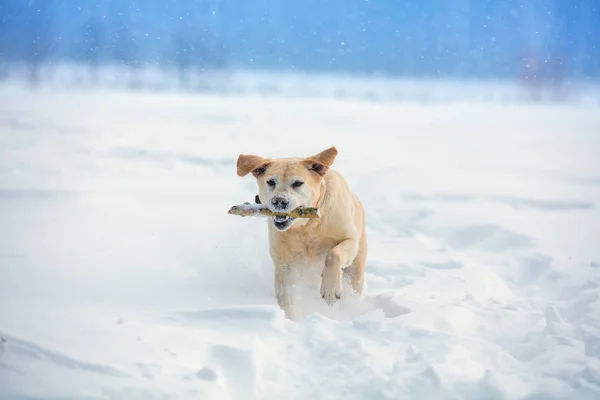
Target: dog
335,243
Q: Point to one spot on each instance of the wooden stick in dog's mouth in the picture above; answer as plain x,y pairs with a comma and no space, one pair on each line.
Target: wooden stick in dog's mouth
254,210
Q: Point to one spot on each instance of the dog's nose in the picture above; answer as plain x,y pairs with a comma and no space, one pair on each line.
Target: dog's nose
280,202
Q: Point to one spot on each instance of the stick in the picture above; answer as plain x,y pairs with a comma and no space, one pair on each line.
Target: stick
255,210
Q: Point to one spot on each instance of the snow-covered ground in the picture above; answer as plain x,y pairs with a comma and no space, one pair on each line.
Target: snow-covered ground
122,275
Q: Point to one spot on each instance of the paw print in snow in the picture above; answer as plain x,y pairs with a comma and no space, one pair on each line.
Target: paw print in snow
2,346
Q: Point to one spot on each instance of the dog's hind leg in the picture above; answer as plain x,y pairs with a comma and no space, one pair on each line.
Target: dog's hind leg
356,270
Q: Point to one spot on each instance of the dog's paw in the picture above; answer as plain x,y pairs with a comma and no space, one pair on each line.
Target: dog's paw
331,285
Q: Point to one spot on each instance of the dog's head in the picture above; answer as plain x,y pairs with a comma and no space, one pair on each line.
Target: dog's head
285,184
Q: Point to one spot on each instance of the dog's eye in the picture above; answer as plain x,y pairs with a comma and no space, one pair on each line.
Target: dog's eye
297,184
271,182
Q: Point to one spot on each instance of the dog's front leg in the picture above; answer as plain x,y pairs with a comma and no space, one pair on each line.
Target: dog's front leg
283,288
338,258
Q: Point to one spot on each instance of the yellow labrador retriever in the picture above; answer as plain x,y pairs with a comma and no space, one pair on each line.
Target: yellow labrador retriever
334,243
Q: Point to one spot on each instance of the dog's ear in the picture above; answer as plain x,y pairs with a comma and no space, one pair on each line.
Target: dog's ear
321,162
250,163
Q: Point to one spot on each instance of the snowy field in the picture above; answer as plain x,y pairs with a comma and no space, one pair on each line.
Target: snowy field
122,276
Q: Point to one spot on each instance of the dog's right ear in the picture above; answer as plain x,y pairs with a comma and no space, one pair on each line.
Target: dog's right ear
250,163
321,162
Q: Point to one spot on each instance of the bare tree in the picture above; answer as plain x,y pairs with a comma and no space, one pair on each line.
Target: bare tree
93,35
39,40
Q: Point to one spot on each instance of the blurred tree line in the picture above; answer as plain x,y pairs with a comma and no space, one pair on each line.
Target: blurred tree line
434,38
107,32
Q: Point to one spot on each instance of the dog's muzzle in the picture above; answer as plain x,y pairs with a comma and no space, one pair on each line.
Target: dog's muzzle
280,203
282,223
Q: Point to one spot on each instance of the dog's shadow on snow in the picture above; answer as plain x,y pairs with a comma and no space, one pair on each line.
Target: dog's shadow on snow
307,301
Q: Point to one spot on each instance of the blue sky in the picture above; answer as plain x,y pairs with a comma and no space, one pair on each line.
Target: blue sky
484,38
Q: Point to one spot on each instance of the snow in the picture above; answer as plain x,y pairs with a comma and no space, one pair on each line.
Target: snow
123,276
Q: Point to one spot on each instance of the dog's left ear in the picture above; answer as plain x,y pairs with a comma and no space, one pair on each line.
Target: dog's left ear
321,162
250,163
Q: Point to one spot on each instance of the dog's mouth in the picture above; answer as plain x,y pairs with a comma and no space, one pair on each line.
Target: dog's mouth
282,223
